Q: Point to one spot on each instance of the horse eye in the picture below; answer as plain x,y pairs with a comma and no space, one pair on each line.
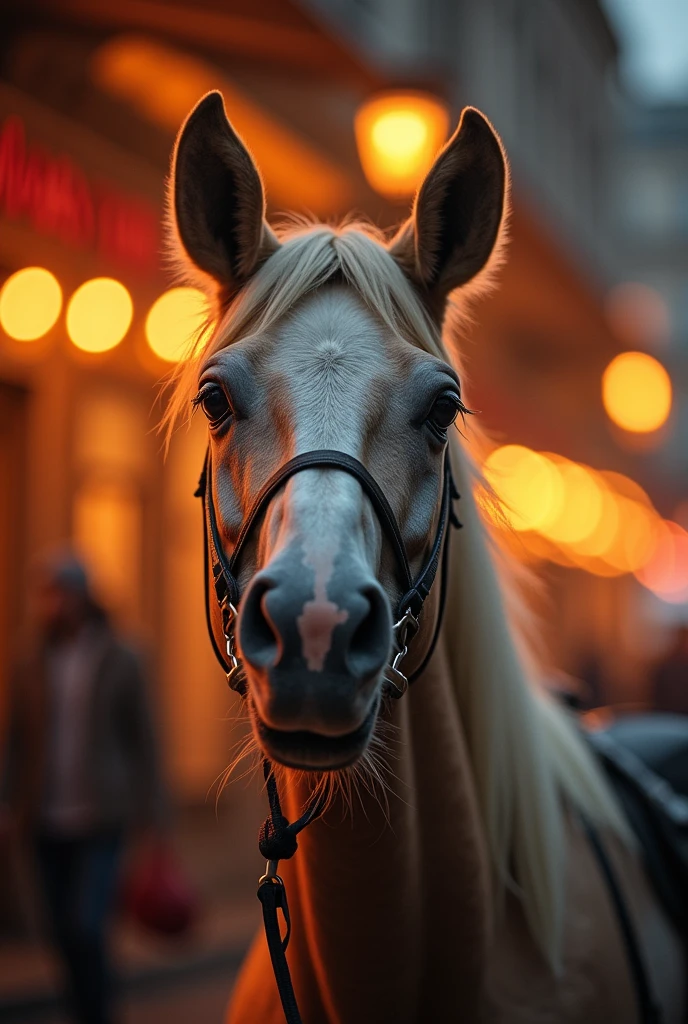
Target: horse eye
444,411
214,403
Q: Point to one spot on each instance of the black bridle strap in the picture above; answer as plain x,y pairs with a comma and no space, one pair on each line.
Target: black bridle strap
327,458
444,578
224,571
324,458
202,493
415,597
225,581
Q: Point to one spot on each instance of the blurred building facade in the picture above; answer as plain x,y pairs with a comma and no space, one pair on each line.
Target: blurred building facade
543,72
90,99
87,122
651,211
546,75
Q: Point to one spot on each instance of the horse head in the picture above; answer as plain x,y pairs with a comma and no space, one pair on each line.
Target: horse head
316,347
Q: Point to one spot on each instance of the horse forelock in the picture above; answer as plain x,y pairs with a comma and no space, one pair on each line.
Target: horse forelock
311,255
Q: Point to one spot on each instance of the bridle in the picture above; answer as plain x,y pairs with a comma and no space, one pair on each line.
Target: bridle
410,605
277,839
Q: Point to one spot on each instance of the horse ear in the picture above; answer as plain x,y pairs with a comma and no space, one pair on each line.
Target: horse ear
217,202
458,211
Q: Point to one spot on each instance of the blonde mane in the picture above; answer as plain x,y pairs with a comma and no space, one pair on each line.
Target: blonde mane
529,764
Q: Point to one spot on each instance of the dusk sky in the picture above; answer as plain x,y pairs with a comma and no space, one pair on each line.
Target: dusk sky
654,42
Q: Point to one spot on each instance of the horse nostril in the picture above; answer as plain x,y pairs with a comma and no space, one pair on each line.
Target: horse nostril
369,645
275,631
259,640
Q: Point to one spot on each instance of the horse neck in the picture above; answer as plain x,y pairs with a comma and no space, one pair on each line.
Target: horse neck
376,896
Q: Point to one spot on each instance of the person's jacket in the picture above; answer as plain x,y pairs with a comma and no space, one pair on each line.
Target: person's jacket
121,759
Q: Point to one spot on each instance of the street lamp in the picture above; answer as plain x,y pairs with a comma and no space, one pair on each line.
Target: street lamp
398,135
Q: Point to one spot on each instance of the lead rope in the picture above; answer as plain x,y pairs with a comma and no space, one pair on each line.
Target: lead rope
277,841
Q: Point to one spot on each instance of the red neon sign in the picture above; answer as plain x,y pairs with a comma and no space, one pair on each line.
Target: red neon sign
54,195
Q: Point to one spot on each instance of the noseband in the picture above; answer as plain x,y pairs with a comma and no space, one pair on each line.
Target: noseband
415,593
277,840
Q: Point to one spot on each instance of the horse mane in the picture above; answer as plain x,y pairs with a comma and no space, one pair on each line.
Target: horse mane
530,765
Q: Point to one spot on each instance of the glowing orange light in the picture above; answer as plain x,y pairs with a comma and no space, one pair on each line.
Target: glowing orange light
602,536
666,572
599,521
634,541
30,303
398,136
636,391
581,509
623,485
527,483
173,322
539,546
99,314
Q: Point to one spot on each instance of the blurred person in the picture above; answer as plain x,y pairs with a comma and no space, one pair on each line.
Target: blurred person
670,677
82,769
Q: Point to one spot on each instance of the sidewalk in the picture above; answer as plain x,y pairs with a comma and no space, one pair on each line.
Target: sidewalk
28,973
221,860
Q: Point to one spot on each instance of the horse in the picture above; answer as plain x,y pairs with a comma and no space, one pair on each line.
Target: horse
451,876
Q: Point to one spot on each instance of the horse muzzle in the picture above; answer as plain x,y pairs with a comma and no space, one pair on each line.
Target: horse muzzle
316,642
314,661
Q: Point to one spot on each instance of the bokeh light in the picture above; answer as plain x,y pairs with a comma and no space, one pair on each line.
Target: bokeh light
538,545
173,322
624,485
528,484
599,521
582,506
666,571
634,542
597,541
398,136
636,391
30,303
99,314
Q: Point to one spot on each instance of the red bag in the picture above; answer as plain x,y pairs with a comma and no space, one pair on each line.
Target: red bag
158,894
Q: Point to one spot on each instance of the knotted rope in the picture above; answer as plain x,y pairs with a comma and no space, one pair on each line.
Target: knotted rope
277,840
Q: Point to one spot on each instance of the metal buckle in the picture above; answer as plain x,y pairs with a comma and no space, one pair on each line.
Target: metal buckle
404,631
397,683
271,874
229,614
406,628
236,677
